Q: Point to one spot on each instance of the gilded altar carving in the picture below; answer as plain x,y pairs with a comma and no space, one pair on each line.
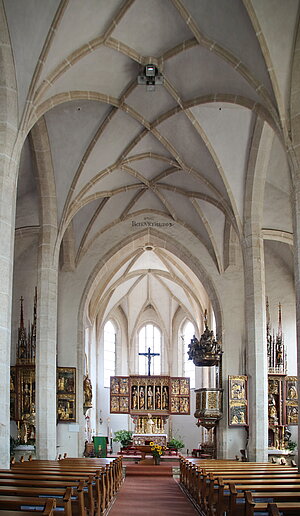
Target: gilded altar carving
66,394
238,400
150,394
291,400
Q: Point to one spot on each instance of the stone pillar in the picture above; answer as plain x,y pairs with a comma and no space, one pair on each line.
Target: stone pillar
46,360
296,212
255,297
8,175
47,299
256,348
295,162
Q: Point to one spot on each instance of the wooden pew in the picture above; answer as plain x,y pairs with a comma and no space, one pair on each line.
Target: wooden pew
111,468
48,510
103,479
227,494
83,488
16,502
206,490
291,508
107,475
76,502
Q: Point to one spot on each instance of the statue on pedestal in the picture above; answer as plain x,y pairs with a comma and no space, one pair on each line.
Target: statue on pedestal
149,425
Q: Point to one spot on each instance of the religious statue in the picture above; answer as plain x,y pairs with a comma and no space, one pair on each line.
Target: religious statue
150,397
157,398
165,398
292,392
134,398
142,398
23,432
149,425
273,417
26,399
87,389
292,415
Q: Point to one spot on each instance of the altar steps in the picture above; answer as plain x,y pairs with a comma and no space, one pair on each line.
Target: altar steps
138,470
136,458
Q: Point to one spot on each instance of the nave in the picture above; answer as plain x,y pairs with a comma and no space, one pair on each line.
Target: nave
151,489
188,486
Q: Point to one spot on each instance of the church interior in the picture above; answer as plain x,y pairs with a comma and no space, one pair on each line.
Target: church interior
149,227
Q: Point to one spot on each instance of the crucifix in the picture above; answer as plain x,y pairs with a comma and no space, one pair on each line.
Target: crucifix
149,355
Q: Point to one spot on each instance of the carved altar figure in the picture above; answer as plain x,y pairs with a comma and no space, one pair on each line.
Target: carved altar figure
134,398
88,393
142,398
273,417
150,398
157,398
26,399
149,425
292,392
165,399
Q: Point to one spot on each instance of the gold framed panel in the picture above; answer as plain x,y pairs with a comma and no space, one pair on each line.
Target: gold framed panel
291,400
119,394
66,380
66,408
66,394
180,395
25,391
237,400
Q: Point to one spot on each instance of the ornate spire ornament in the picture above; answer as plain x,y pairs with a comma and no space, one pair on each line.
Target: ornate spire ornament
276,350
207,351
22,338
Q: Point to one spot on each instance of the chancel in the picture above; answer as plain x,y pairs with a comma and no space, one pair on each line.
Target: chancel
149,241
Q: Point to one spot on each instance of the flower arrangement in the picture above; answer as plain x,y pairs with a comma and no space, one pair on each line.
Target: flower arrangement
157,451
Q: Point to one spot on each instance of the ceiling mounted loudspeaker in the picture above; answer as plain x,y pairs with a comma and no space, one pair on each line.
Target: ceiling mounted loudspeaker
150,77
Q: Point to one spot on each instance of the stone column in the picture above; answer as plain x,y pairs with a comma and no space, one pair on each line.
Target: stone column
295,162
8,176
47,299
255,298
256,348
297,280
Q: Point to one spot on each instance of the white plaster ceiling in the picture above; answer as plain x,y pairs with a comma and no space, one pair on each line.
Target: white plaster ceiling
177,155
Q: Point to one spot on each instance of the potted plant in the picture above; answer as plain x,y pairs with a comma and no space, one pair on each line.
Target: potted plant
124,437
291,445
175,444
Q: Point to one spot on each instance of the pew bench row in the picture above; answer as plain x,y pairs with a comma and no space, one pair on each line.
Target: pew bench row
79,487
238,489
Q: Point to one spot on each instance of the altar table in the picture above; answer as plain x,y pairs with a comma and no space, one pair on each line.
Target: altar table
146,439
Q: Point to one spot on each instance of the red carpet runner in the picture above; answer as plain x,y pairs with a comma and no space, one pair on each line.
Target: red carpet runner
151,490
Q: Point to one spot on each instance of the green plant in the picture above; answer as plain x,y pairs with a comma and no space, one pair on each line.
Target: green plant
178,444
14,442
123,436
291,445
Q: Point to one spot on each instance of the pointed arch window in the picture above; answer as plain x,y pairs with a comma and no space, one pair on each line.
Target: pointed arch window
150,336
109,352
188,331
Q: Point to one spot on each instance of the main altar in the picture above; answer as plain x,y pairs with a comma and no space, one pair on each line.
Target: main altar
149,400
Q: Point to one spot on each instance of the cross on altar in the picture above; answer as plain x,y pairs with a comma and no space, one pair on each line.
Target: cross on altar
149,355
